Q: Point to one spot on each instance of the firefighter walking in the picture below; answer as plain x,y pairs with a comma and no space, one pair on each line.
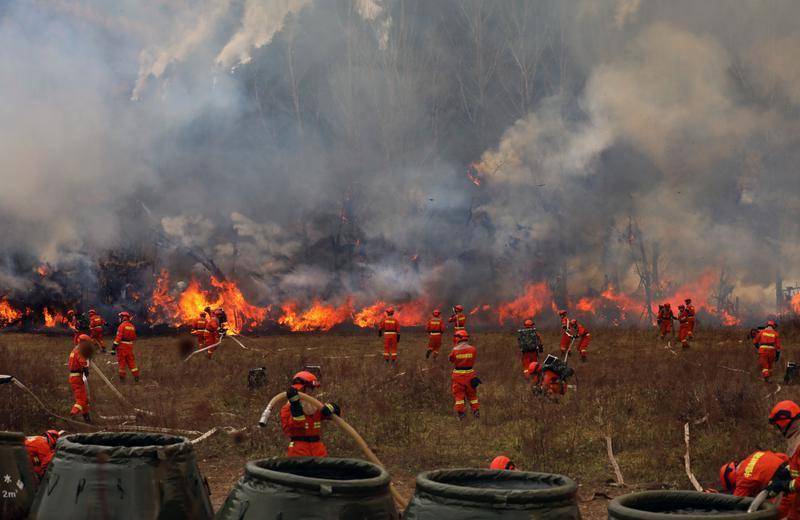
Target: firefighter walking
96,324
211,334
691,315
123,344
199,330
664,320
464,379
684,327
530,345
301,423
767,342
566,339
435,329
78,365
389,328
459,321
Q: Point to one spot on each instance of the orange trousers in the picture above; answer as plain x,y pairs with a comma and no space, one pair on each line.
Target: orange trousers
210,340
565,341
684,334
584,344
665,327
435,343
552,385
126,361
81,405
766,359
463,391
97,336
527,359
306,449
390,346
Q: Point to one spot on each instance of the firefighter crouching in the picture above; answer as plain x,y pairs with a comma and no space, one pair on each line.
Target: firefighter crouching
550,377
435,329
301,422
78,364
501,462
752,475
123,345
464,379
767,342
41,449
530,345
784,418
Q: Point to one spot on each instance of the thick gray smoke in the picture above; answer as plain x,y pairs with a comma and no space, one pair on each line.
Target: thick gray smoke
321,149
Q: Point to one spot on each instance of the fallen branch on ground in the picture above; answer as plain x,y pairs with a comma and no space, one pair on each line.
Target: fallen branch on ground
687,460
614,464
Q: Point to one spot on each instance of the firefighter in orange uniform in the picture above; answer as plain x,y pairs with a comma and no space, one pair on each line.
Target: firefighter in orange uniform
534,371
464,379
212,334
96,324
530,344
72,323
78,364
123,344
768,343
459,321
41,449
749,477
581,335
301,422
552,383
664,318
501,462
784,418
435,329
389,328
684,328
199,330
692,315
566,339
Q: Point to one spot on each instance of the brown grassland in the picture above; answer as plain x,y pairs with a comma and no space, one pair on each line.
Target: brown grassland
633,389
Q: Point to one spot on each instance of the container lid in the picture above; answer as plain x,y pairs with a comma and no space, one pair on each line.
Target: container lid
124,445
685,505
12,438
321,475
496,487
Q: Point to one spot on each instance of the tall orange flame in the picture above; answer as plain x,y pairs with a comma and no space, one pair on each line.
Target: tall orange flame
8,314
318,317
528,305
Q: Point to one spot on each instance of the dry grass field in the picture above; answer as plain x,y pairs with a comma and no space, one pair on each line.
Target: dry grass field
633,389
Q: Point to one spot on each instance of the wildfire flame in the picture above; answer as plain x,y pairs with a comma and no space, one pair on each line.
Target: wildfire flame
473,174
8,314
52,319
318,317
532,301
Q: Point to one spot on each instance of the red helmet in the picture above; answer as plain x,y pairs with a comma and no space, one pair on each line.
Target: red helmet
389,311
84,337
562,312
534,368
502,462
461,335
52,436
437,312
772,323
70,313
92,312
727,476
573,323
305,379
219,311
125,315
783,416
528,323
458,308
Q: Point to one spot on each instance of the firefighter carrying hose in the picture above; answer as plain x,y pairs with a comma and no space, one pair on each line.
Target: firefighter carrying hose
96,324
784,418
530,344
464,379
301,422
123,346
435,329
752,475
767,342
78,364
684,327
389,328
199,329
664,319
41,449
565,337
459,321
222,319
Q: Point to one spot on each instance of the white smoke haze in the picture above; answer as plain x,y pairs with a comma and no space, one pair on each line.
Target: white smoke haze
321,149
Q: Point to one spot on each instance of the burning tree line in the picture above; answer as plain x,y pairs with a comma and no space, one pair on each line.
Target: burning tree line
170,304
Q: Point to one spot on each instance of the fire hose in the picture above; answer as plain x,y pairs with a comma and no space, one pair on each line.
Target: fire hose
18,383
114,390
341,423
